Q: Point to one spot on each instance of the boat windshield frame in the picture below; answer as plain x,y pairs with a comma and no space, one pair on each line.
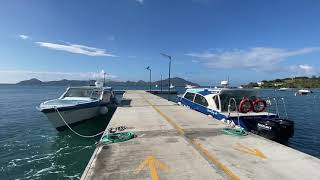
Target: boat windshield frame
83,92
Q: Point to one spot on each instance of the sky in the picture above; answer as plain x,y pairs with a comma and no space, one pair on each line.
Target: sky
209,40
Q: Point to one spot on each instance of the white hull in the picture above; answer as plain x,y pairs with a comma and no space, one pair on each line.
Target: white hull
72,116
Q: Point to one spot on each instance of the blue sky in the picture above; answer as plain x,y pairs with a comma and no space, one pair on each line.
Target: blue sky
209,40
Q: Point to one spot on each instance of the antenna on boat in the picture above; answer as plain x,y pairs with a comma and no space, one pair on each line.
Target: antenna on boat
104,77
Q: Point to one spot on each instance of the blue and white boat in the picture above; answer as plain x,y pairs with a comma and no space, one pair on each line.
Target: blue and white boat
78,104
239,107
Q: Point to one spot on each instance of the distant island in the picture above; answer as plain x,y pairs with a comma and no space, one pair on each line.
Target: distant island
176,81
295,82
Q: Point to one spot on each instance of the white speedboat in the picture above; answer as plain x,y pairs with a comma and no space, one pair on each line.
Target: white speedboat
78,104
188,86
284,89
303,92
171,86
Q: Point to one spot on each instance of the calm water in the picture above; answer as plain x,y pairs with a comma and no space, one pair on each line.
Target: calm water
32,149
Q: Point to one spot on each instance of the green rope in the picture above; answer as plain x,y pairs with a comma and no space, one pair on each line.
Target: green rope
117,137
235,131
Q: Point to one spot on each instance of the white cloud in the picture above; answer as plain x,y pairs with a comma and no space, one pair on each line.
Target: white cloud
76,48
140,1
303,69
24,37
259,58
13,76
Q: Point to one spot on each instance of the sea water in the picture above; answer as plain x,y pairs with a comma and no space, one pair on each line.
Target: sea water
30,148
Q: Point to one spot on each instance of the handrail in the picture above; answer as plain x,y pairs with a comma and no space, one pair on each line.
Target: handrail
235,103
285,109
277,110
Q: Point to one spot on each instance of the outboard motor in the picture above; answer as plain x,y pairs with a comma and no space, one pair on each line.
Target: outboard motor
277,129
274,128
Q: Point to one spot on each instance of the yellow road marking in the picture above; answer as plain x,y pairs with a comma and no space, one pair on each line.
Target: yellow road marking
211,157
153,163
252,151
175,125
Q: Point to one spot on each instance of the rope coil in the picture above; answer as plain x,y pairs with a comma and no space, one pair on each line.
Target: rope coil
117,137
235,131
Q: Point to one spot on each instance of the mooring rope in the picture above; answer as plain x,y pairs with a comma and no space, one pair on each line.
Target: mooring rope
84,136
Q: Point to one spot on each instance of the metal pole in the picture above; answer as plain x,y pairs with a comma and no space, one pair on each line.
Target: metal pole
104,79
150,80
161,82
169,77
169,57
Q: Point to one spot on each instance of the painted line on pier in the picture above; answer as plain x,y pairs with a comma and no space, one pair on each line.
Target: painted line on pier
212,158
152,163
252,151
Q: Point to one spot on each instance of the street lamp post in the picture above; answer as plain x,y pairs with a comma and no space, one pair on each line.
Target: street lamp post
161,82
104,78
169,57
148,68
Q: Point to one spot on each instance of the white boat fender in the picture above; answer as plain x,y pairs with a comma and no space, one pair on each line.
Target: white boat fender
103,110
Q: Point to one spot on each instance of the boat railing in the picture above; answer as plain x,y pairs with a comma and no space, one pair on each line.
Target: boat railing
276,100
270,101
229,108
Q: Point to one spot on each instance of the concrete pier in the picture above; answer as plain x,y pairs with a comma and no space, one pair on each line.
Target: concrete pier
174,142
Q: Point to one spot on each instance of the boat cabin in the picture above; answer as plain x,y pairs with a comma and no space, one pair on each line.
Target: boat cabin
216,99
88,92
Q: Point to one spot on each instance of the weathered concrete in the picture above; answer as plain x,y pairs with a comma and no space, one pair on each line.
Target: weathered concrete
178,143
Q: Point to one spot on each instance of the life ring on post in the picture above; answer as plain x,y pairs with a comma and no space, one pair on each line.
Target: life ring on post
246,105
259,105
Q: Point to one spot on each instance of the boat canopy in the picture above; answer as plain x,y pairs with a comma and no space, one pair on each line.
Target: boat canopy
238,95
93,93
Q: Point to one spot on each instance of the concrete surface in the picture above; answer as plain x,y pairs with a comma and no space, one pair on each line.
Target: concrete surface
178,143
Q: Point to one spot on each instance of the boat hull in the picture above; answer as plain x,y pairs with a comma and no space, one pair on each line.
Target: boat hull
72,116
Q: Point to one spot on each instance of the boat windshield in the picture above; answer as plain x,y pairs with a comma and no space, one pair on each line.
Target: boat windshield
238,95
83,92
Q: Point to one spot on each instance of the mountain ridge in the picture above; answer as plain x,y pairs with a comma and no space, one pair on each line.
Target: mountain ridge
176,81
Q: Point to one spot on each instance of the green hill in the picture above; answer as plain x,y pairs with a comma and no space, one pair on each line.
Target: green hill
296,82
176,81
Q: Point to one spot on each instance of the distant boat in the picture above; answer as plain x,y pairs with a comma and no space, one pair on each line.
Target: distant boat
171,86
284,89
156,85
303,92
188,86
240,87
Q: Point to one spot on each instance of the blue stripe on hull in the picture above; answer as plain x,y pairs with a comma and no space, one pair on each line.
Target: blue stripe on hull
243,120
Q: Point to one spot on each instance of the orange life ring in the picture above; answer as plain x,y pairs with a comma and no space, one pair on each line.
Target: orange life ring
258,103
246,105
